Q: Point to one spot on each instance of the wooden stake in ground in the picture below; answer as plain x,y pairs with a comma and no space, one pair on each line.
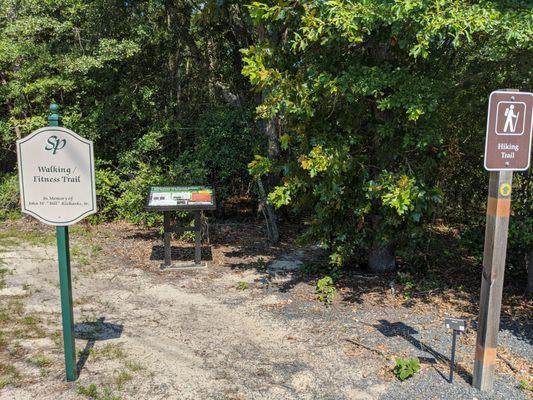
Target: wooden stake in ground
496,231
507,149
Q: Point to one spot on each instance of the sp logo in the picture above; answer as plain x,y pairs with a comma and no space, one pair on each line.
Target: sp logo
54,144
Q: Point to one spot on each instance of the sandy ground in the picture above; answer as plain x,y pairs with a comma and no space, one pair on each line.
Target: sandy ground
188,345
152,334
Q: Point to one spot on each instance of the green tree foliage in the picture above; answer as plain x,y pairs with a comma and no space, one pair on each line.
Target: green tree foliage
383,109
155,84
9,195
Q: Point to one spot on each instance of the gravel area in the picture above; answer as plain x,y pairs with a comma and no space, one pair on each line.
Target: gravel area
384,333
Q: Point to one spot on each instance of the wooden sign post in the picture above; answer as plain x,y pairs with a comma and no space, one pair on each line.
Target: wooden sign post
507,149
57,187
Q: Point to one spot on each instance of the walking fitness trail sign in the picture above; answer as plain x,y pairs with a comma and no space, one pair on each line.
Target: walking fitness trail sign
56,175
56,171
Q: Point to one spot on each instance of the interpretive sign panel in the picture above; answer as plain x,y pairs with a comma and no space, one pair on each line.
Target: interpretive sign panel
181,198
509,131
56,175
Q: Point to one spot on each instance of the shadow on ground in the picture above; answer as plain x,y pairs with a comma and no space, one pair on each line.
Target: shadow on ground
180,253
92,332
406,332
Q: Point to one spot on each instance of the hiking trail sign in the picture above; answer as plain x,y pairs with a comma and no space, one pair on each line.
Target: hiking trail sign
56,175
507,149
509,131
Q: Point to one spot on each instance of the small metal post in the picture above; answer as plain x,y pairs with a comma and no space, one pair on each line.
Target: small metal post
197,237
166,237
65,281
452,358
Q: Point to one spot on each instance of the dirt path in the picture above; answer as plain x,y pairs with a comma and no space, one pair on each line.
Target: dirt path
244,328
170,341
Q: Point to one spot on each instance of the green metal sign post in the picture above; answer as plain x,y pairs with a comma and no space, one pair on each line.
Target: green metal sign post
65,282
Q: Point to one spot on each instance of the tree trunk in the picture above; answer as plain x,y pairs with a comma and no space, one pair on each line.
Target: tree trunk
269,213
381,257
270,128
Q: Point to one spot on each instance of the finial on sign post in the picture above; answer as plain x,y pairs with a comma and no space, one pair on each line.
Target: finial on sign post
54,119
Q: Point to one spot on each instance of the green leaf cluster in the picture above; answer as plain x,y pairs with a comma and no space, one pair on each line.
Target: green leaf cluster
325,290
406,368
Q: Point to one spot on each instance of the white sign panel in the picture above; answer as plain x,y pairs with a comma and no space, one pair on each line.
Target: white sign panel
56,175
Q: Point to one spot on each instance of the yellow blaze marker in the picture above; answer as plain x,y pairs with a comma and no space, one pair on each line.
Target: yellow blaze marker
505,189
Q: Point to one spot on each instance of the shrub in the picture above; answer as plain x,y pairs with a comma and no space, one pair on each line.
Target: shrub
520,224
406,368
326,290
131,204
107,192
9,194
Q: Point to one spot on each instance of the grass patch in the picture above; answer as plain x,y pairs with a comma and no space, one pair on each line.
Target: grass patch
10,311
15,324
57,338
41,360
112,352
24,326
79,301
422,282
11,215
134,366
9,376
78,254
3,341
85,252
122,378
261,264
3,273
525,385
12,237
31,321
92,392
108,352
242,285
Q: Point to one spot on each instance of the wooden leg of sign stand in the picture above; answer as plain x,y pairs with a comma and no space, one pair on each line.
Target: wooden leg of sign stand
167,235
498,211
197,237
